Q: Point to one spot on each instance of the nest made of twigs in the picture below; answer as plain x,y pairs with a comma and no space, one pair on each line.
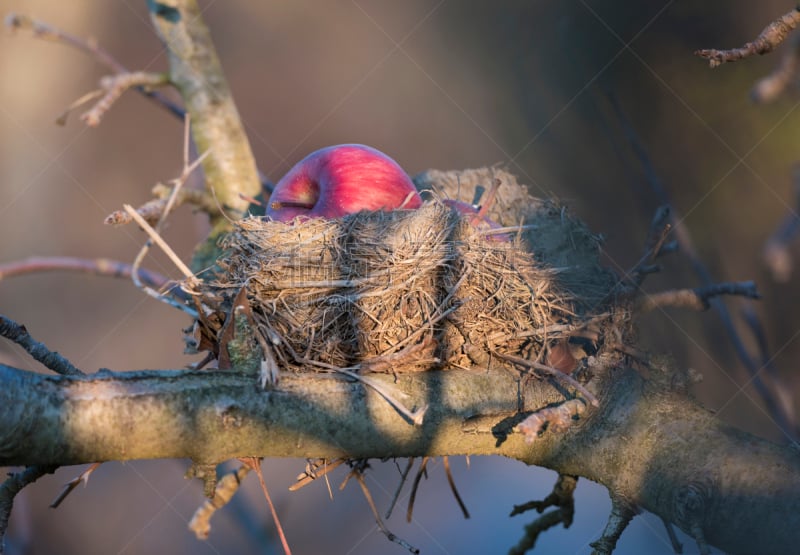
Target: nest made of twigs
414,289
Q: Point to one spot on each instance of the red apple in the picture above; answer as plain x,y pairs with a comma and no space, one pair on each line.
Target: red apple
340,180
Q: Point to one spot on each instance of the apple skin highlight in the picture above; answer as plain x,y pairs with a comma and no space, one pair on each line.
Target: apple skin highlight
339,180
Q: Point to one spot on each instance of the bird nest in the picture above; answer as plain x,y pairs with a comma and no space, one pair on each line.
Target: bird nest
415,289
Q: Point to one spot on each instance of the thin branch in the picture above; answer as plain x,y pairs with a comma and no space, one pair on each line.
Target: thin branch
255,465
686,246
561,497
52,360
115,85
196,72
399,488
677,546
774,34
415,485
96,266
10,488
152,210
83,477
776,249
654,245
316,469
773,85
453,488
156,238
696,299
90,46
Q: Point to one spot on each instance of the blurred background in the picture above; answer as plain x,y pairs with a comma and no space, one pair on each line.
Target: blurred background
444,85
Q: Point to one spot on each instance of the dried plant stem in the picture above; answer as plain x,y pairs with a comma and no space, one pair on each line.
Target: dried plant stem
156,238
313,472
414,417
386,532
414,487
255,465
403,477
453,488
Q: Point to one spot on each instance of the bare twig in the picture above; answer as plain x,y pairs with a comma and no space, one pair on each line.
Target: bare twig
255,464
776,249
11,487
115,85
562,498
152,210
357,473
227,486
156,238
774,34
315,469
781,393
72,484
686,246
96,266
654,245
554,373
696,299
52,360
773,85
90,46
403,477
420,473
177,185
196,72
453,488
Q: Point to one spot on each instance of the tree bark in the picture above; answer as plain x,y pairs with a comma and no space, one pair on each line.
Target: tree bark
655,449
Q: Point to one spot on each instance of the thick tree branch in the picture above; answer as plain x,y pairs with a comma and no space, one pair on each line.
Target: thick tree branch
654,449
196,71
